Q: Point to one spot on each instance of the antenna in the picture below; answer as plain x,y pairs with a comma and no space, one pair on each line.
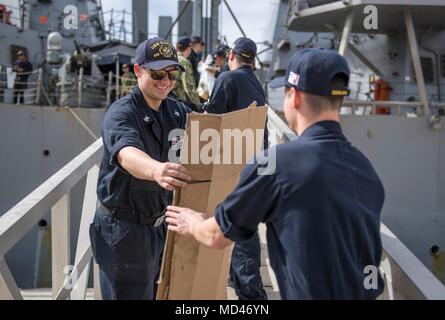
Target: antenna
122,27
22,12
110,26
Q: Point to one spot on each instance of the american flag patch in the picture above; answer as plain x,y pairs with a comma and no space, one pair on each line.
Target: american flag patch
293,78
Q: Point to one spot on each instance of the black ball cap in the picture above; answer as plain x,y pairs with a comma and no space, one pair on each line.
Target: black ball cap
218,53
197,39
245,47
312,70
157,54
185,41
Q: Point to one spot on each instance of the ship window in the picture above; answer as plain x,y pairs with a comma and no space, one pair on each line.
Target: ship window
427,69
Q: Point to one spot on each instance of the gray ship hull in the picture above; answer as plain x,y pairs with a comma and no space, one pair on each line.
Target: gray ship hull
27,134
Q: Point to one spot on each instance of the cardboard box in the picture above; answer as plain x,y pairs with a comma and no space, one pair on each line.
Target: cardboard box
190,270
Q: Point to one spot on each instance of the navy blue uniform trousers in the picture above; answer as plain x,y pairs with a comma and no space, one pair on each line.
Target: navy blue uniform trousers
129,256
245,266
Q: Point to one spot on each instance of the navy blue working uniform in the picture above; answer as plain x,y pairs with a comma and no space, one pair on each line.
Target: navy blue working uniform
322,211
23,68
235,90
321,204
127,236
129,252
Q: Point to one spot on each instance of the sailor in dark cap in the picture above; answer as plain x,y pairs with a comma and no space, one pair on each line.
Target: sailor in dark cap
225,48
322,204
220,59
23,68
237,89
136,177
196,56
185,89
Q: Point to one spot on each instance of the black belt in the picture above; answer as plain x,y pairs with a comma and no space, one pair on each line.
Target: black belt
131,216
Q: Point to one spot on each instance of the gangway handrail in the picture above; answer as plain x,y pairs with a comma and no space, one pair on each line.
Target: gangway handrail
52,195
409,277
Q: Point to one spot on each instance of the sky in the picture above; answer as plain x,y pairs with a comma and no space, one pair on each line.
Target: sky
257,17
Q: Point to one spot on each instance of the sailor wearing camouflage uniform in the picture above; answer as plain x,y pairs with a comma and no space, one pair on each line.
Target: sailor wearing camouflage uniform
128,80
185,89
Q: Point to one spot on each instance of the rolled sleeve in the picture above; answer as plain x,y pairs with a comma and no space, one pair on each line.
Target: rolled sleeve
229,229
253,201
120,131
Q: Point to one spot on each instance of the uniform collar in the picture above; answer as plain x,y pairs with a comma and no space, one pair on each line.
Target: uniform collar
322,129
171,111
246,66
141,104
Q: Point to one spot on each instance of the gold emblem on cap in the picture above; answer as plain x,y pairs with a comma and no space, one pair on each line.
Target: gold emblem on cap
339,92
166,51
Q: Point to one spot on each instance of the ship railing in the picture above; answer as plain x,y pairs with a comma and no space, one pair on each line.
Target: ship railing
371,107
77,87
361,107
68,282
117,24
30,95
105,93
114,87
405,276
11,19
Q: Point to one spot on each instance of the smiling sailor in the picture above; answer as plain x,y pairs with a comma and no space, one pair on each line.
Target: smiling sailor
136,178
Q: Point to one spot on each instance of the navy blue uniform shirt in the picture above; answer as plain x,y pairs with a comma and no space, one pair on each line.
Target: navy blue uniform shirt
130,122
235,90
194,59
322,209
26,67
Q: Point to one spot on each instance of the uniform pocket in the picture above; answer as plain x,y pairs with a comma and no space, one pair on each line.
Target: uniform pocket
95,239
131,253
120,231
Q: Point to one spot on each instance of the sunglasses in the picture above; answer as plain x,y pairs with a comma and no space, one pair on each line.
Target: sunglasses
173,75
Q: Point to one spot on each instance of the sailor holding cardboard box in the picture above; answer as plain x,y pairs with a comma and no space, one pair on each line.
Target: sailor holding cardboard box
135,177
237,89
322,204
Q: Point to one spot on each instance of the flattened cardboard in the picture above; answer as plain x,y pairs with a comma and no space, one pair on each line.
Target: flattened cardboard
190,270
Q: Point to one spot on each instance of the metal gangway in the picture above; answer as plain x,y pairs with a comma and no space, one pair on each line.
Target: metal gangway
404,275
